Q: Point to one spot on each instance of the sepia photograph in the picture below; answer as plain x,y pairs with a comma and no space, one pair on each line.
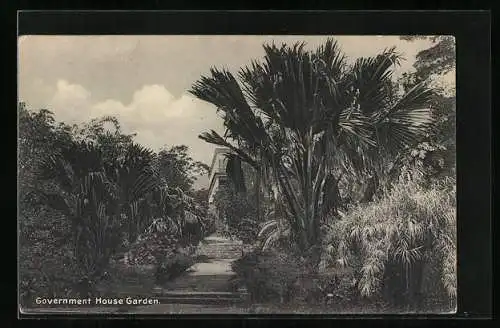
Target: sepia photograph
237,174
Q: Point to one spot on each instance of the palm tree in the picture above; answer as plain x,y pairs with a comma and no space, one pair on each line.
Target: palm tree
308,118
99,198
135,177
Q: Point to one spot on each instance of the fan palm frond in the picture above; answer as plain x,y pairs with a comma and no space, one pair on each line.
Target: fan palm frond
371,78
214,138
407,121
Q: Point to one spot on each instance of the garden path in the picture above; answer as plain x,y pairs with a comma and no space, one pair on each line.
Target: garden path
207,282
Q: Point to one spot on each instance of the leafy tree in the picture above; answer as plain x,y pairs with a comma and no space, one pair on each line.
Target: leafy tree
308,118
178,168
432,64
39,137
201,197
438,59
111,203
105,132
46,262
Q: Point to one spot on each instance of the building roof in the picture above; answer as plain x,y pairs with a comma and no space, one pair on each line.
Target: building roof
213,174
217,151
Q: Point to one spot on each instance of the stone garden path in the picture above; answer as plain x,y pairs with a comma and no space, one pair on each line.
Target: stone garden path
205,284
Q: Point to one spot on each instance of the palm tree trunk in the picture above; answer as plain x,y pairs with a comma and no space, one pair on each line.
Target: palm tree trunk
257,194
370,189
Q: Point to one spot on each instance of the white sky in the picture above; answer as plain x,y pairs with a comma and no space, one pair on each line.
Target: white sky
143,80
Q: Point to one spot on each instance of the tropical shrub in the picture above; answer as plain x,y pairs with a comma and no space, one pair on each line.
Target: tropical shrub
177,227
101,200
172,267
158,242
47,265
207,221
268,275
239,211
403,245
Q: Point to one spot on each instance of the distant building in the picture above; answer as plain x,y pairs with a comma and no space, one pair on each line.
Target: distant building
217,175
217,178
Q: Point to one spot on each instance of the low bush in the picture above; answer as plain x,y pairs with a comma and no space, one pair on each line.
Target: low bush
268,275
47,264
172,267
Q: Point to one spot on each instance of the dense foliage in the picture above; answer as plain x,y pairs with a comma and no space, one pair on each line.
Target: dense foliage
178,168
359,168
90,193
268,275
239,211
402,245
431,65
342,176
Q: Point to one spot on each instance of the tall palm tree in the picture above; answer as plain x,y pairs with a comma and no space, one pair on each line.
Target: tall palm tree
311,117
